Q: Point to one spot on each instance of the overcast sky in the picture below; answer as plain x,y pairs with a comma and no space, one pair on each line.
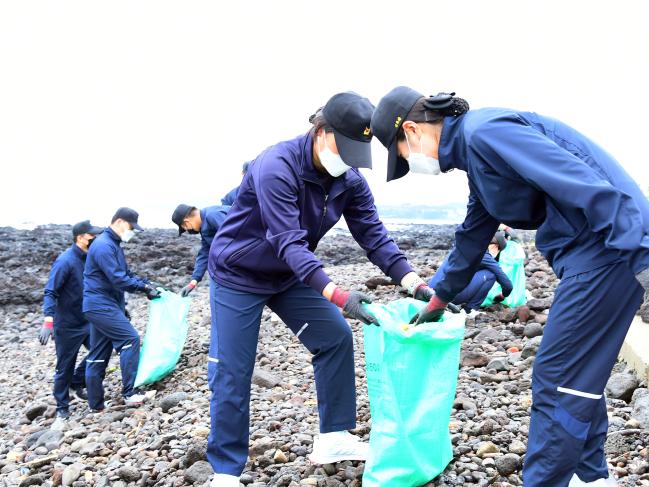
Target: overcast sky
152,103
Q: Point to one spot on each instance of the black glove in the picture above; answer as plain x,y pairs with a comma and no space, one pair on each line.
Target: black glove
184,292
499,298
432,312
127,314
354,308
151,292
423,293
46,332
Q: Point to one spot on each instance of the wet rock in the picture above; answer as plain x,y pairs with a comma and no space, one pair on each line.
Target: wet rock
263,378
498,364
621,386
32,480
199,473
523,313
172,400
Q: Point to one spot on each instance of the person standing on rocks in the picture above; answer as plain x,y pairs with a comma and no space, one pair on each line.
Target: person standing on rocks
64,319
534,172
487,274
106,278
206,222
295,191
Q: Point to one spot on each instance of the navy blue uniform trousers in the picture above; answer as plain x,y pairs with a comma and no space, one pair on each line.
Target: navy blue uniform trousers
110,329
316,322
68,341
586,327
475,293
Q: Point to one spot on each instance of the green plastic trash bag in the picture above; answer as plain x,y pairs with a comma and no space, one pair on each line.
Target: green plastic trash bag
164,338
512,262
411,380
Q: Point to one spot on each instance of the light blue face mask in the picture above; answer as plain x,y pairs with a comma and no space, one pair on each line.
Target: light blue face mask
421,163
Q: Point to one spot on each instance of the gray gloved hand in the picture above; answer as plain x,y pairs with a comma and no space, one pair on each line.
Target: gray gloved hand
643,279
184,292
46,332
423,293
151,292
354,308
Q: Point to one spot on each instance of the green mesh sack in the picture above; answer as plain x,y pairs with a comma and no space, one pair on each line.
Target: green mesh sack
164,338
512,262
411,380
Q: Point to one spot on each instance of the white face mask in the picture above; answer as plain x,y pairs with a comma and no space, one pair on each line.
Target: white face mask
420,162
333,163
127,235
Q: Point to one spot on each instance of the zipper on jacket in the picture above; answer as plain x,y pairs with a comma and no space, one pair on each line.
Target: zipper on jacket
324,214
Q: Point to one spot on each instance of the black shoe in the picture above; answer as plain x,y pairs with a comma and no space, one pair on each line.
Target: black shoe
80,394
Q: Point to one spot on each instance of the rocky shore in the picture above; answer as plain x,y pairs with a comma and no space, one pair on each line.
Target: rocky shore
163,443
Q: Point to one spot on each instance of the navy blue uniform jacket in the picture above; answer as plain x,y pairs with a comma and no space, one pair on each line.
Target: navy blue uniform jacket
106,275
64,289
266,242
534,172
211,219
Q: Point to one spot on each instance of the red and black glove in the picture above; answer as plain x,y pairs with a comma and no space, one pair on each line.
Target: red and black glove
432,312
499,298
352,305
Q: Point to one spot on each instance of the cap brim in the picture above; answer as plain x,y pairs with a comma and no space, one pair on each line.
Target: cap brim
181,230
137,227
397,166
95,230
354,152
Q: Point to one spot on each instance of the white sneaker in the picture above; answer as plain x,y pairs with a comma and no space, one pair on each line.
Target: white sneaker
223,480
338,446
609,482
135,400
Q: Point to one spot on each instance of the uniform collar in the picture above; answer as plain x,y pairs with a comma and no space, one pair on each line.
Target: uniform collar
78,252
203,213
452,147
111,233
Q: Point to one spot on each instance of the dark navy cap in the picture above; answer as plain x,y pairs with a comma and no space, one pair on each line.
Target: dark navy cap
387,119
85,227
349,115
180,213
129,215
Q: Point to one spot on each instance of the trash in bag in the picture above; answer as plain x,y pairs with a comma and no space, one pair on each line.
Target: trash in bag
512,262
411,380
164,338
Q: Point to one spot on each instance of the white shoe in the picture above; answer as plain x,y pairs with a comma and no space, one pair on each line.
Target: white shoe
135,400
609,482
336,447
223,480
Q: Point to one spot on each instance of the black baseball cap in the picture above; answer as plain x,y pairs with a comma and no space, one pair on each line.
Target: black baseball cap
85,227
129,215
349,115
390,113
180,213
